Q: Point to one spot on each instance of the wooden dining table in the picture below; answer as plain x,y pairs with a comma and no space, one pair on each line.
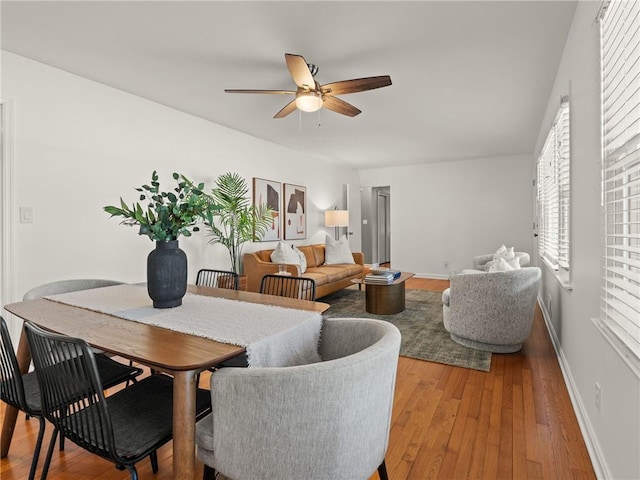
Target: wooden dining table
179,354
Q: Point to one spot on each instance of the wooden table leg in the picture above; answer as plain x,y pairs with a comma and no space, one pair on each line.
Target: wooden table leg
184,424
23,355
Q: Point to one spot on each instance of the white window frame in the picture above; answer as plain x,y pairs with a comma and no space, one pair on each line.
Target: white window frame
620,82
554,193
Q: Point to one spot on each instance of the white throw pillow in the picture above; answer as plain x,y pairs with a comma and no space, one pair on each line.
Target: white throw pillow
489,264
337,252
284,253
504,252
303,259
514,263
501,265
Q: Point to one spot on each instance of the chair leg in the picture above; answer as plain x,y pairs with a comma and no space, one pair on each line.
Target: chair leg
133,472
209,473
47,462
382,471
153,456
62,442
36,451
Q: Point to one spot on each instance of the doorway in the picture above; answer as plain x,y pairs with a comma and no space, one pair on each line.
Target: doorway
376,224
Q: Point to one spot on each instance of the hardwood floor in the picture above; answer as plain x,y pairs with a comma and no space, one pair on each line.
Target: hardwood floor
515,422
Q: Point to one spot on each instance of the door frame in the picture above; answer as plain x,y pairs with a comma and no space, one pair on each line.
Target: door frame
7,142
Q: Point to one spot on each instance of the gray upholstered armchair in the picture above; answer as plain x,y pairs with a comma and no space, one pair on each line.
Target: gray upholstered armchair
65,286
491,311
325,420
481,262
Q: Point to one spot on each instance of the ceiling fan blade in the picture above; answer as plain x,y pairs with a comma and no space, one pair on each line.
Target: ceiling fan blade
340,106
279,92
288,108
357,85
299,71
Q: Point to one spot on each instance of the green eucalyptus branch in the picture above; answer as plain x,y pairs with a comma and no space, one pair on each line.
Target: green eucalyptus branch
164,216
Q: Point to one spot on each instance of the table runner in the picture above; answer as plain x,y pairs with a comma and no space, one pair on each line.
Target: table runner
273,336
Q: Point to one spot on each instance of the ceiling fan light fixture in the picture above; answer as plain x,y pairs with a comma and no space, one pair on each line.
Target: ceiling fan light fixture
309,101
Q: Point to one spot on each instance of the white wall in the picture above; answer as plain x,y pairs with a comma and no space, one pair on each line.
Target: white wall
588,358
453,211
79,145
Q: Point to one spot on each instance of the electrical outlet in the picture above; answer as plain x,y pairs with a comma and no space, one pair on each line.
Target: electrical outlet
598,398
446,264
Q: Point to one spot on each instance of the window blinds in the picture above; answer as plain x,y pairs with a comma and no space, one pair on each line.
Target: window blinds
554,199
620,62
563,155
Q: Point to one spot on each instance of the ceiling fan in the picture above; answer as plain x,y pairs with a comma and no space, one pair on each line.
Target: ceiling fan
311,96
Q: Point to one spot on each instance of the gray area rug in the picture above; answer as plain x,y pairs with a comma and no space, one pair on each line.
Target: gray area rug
423,334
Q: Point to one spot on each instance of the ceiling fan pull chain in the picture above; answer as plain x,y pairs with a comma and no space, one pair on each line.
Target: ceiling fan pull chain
300,120
319,124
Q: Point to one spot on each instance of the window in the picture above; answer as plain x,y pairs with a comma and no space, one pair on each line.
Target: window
554,199
620,63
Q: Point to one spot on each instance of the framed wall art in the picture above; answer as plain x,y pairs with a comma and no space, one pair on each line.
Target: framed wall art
295,212
268,192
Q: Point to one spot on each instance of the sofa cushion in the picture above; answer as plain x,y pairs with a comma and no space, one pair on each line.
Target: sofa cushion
319,277
353,269
337,253
264,255
319,254
310,256
333,274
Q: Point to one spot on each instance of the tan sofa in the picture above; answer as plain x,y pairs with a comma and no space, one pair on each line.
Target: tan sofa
329,278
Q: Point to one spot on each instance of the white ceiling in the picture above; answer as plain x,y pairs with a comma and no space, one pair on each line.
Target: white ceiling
470,79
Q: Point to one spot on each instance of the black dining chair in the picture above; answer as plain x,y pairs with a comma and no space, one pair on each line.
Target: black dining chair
125,427
217,279
21,391
221,279
76,285
302,288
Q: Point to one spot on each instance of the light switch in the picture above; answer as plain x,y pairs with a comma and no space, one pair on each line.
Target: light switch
365,221
26,215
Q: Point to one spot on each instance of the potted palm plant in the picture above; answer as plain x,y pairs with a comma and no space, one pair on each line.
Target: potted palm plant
164,218
235,220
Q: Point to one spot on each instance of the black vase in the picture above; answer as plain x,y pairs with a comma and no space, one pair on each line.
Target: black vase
167,275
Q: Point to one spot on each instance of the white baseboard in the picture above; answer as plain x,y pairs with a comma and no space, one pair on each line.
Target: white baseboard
432,275
588,434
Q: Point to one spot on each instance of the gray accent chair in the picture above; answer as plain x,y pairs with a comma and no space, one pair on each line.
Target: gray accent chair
66,286
491,311
327,420
481,261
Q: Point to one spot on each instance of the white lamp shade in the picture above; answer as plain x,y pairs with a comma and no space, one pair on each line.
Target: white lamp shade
336,218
